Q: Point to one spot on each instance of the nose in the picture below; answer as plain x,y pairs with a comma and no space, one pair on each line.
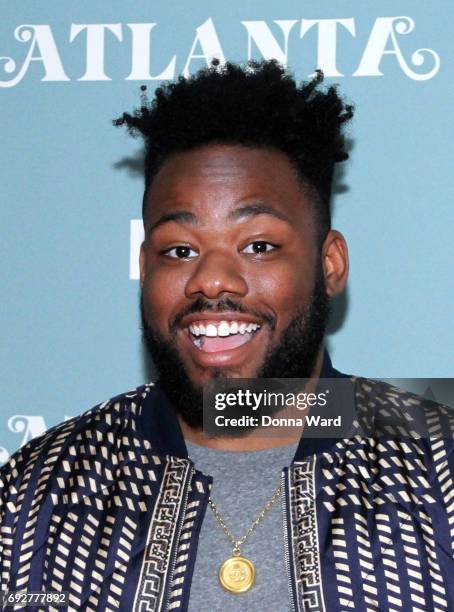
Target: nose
214,275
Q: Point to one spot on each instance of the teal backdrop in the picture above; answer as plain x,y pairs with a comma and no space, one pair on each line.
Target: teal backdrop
71,193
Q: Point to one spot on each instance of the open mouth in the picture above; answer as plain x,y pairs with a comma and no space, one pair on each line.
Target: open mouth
215,336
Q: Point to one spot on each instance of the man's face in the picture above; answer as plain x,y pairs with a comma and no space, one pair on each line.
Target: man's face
230,267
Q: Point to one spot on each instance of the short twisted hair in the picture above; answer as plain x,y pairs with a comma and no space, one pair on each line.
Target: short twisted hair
258,105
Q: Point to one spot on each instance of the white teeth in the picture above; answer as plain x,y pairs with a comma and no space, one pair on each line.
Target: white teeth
223,328
234,327
211,330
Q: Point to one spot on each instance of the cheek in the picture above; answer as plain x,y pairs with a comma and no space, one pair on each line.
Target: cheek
163,297
285,287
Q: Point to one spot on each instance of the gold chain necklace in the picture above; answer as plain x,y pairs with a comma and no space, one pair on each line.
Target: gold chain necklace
237,574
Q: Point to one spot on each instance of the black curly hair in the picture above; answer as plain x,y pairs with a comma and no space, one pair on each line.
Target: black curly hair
258,105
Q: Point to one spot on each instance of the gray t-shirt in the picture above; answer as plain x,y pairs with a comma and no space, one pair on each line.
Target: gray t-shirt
242,484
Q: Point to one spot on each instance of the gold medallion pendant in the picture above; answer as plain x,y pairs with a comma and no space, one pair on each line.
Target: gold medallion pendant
237,574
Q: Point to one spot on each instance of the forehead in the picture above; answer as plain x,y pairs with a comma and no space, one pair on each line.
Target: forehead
213,180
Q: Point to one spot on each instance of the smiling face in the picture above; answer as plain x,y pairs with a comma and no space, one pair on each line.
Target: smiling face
230,262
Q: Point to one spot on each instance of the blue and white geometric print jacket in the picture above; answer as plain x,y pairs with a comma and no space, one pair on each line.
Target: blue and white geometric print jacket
108,507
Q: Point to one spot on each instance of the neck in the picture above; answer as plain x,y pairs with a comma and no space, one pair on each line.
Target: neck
256,439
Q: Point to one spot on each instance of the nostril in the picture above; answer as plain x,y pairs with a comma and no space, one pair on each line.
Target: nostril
216,284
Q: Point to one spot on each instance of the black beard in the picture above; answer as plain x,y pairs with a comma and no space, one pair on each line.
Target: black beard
295,357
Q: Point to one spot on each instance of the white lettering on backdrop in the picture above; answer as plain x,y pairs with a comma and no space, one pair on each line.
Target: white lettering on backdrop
28,427
136,236
271,41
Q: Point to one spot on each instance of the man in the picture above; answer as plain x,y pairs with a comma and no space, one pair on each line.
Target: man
132,506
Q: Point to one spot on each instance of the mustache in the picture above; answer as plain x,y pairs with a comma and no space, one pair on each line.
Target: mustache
222,305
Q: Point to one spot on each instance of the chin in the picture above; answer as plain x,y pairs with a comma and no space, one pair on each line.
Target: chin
209,374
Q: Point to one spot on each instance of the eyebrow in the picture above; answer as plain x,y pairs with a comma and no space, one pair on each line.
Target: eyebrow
177,215
258,208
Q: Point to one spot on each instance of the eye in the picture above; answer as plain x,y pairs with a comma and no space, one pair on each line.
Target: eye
259,246
181,251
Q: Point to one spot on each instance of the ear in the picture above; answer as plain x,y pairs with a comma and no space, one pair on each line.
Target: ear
142,264
335,262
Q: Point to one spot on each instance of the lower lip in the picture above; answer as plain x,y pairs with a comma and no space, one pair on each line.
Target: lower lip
226,358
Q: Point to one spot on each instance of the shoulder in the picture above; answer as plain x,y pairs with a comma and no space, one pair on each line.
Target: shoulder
390,410
400,453
404,439
96,429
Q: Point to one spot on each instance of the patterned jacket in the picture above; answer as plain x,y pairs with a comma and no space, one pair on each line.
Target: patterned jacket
108,507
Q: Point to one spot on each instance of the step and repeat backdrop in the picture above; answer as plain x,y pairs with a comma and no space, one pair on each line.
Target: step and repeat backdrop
71,186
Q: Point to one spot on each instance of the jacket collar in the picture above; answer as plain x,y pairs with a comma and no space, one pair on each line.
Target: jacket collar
311,446
159,424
